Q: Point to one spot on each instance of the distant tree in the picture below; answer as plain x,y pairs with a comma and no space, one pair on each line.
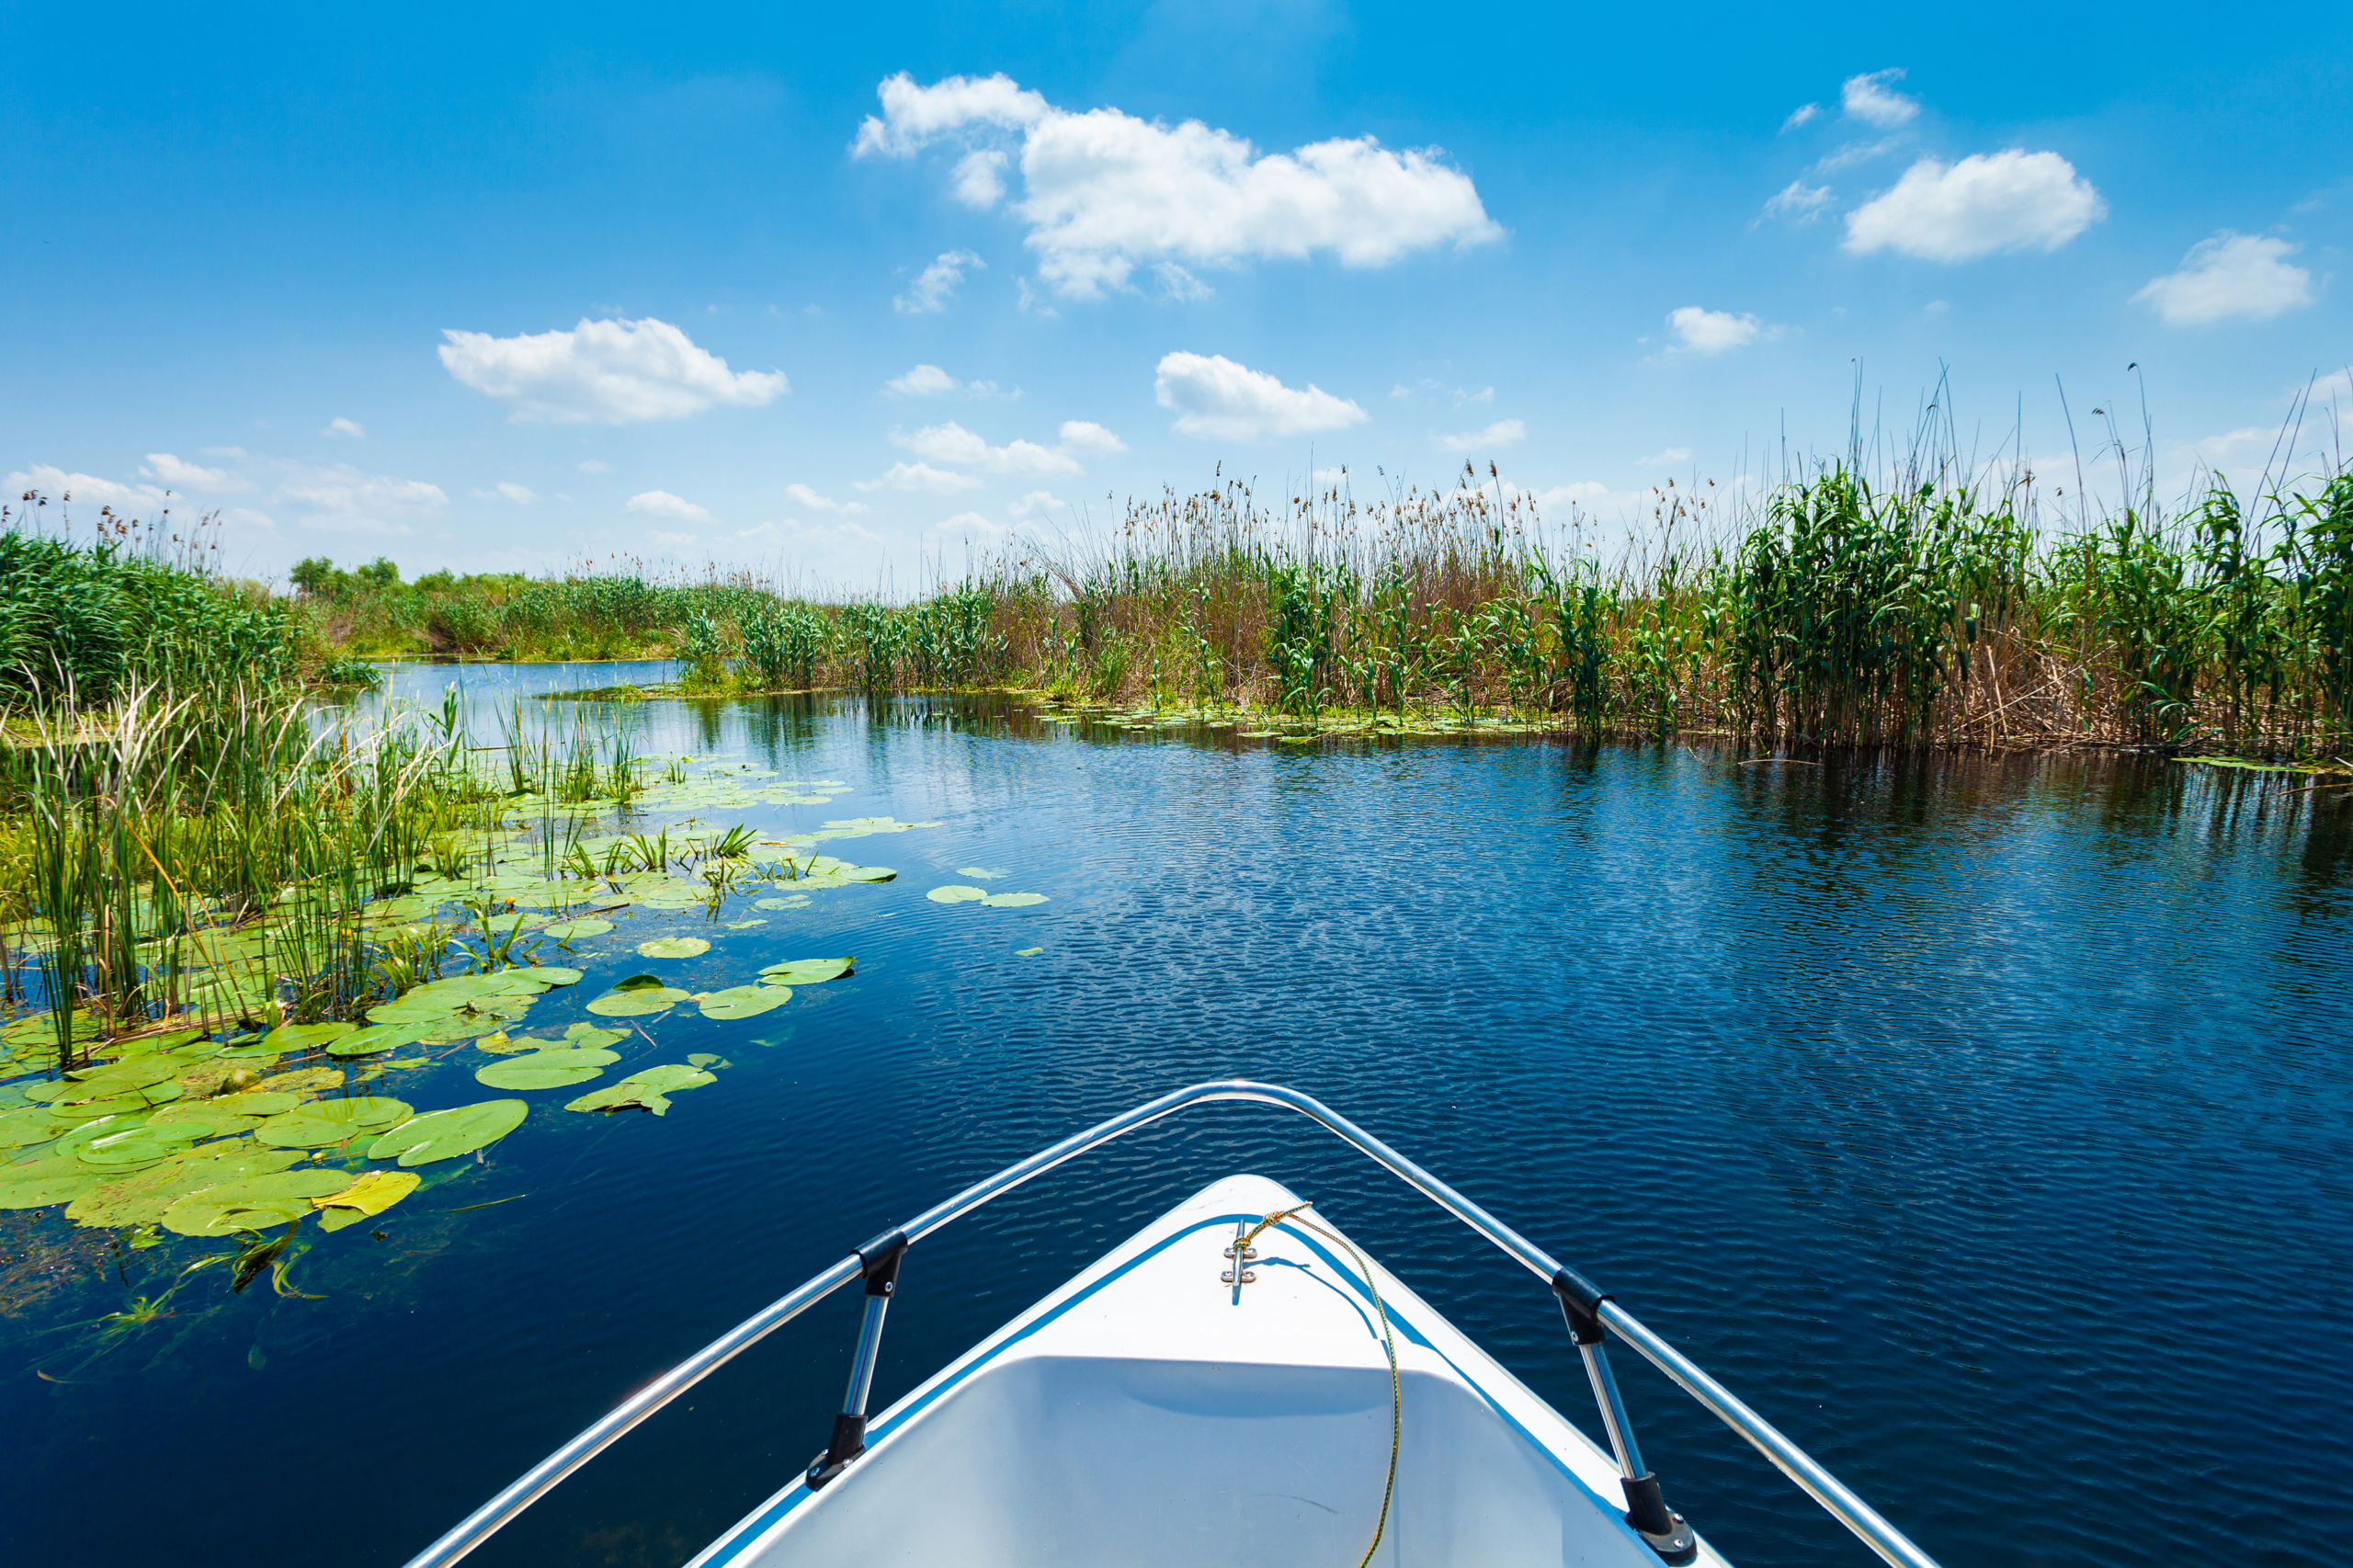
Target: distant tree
315,574
377,574
436,583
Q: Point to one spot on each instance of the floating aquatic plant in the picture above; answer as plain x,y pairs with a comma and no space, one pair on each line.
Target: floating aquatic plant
446,1135
644,1090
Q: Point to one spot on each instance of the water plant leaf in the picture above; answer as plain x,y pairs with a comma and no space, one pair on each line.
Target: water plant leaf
1013,900
324,1123
252,1203
979,873
554,974
29,1125
132,1072
956,893
446,1134
382,1037
638,1003
791,901
370,1196
144,1145
304,1037
674,948
72,1141
646,1090
589,1037
304,1081
39,1183
141,1197
546,1069
808,972
1027,953
743,1001
576,929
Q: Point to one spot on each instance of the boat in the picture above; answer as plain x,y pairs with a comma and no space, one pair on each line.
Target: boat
1238,1383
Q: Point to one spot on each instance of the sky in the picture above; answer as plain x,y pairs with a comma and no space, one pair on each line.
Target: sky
849,297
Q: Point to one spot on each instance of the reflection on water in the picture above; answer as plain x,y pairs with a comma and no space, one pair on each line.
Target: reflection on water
1984,1122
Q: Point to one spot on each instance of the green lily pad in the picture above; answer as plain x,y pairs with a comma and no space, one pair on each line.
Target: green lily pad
646,1089
807,972
39,1183
674,948
1013,900
304,1037
446,1134
1027,953
556,974
304,1081
743,1001
252,1203
637,1003
589,1037
79,1136
325,1123
382,1037
705,1058
141,1197
956,893
144,1145
135,1102
365,1199
132,1072
978,873
30,1125
546,1069
576,930
791,901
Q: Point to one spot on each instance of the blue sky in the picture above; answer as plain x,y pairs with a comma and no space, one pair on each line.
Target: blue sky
841,293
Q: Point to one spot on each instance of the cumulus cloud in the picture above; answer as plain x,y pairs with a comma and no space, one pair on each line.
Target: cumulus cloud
929,293
1502,433
1086,436
185,476
952,443
612,372
921,477
1035,499
507,490
1711,332
58,484
803,496
1105,192
923,380
343,499
1872,99
1986,202
340,427
1798,202
661,503
2230,276
1215,397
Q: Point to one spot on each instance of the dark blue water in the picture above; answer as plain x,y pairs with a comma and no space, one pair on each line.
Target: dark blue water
1985,1123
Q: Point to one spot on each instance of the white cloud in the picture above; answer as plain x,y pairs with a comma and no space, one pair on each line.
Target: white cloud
1215,397
1502,433
1035,499
1671,455
1401,390
1798,202
1805,114
1104,192
2333,388
1176,283
1086,436
1713,332
661,503
58,484
186,476
1855,152
980,178
804,496
661,538
1871,99
2246,277
952,443
922,477
593,466
2253,439
1986,202
923,380
613,372
343,499
1330,475
507,490
340,427
929,295
967,524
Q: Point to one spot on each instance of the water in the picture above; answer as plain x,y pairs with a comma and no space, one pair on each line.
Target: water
1983,1123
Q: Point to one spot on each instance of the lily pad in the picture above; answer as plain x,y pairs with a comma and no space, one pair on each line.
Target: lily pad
674,948
303,1081
546,1069
646,1090
305,1036
956,893
29,1125
555,975
978,873
638,1003
807,972
39,1183
446,1134
144,1145
589,1037
370,1196
791,901
141,1197
705,1058
1013,900
575,930
252,1203
743,1001
1027,953
382,1037
325,1123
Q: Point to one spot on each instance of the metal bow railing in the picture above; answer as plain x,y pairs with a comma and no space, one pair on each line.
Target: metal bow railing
1591,1315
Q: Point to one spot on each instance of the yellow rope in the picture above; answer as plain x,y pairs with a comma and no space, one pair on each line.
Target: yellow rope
1387,1340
